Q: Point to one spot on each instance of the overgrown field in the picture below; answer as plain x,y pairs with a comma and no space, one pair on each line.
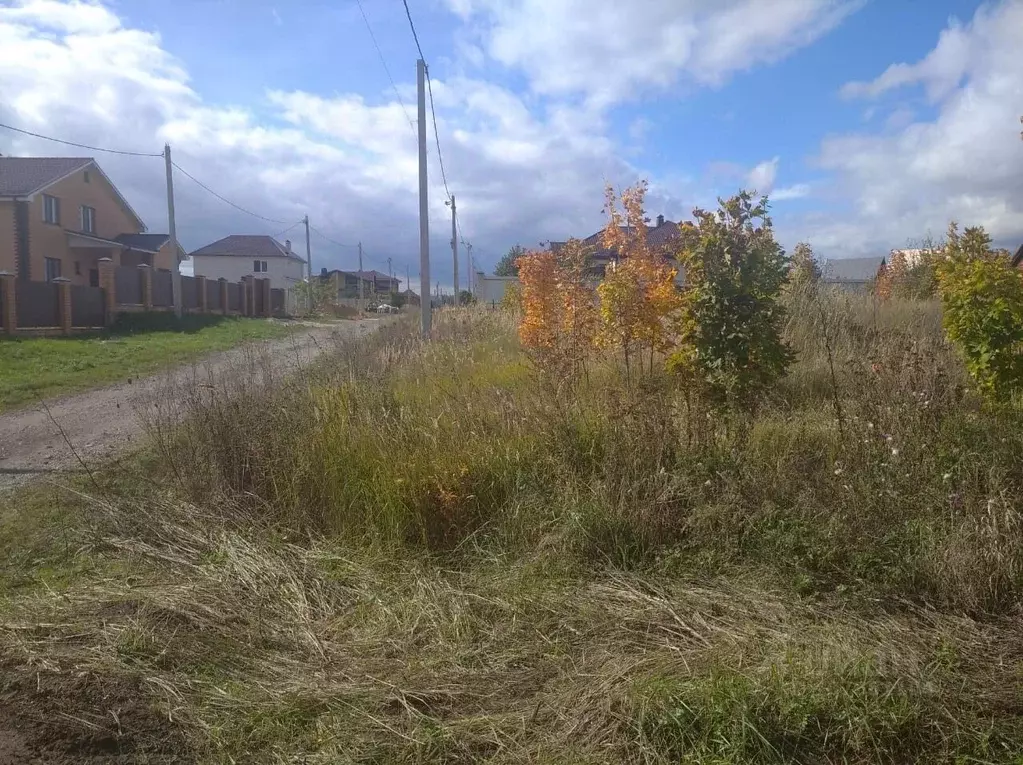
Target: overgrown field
423,553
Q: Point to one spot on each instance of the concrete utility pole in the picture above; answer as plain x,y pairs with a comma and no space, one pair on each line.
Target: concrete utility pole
390,277
308,262
471,278
454,244
172,229
424,203
362,283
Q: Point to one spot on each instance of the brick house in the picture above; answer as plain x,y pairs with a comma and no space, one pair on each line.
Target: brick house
658,236
60,215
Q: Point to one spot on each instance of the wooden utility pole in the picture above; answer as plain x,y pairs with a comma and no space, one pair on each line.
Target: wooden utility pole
172,229
424,203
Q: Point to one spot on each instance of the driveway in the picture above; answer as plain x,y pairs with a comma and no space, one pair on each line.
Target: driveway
59,435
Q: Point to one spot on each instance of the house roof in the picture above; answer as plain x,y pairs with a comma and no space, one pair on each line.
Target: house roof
145,242
656,235
851,269
247,246
23,176
1017,259
374,275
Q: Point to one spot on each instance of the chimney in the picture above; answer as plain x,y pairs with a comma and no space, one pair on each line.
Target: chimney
323,273
287,246
660,221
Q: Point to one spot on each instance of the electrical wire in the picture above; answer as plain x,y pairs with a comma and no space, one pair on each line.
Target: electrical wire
285,231
226,200
414,35
436,135
80,145
380,53
332,241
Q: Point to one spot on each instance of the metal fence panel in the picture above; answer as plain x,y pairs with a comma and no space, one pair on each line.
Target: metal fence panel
213,296
258,298
163,288
234,296
277,301
37,304
190,292
128,285
87,306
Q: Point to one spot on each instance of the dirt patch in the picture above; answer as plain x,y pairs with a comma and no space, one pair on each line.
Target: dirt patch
59,718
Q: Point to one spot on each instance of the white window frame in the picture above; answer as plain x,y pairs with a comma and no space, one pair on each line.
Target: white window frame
91,228
259,266
51,205
46,264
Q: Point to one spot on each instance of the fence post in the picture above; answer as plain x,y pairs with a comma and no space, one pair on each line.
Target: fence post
147,286
64,303
108,282
200,286
264,285
225,307
9,320
247,296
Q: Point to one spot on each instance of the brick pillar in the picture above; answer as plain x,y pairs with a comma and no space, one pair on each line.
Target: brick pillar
64,303
9,319
224,307
109,284
248,296
200,286
264,286
147,286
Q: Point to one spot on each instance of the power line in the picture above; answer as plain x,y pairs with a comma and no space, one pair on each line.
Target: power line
436,134
225,200
380,53
80,145
332,241
414,35
285,231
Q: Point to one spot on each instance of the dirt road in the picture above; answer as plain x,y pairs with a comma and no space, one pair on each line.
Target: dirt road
92,426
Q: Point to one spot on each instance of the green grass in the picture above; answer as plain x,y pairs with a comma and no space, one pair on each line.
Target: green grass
419,553
39,368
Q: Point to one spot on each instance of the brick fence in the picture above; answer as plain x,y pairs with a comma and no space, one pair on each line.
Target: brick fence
64,308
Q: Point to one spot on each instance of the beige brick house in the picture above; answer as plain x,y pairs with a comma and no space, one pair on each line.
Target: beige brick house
60,215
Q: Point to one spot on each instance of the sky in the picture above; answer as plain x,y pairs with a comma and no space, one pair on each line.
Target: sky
869,123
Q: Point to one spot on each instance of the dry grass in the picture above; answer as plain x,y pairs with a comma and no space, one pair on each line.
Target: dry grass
416,553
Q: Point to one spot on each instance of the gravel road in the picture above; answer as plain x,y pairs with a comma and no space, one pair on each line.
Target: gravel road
100,423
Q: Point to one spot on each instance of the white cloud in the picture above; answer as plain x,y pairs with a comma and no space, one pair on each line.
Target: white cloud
796,191
348,161
606,50
761,178
965,164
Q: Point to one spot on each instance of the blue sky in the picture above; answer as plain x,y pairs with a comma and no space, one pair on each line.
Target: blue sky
870,123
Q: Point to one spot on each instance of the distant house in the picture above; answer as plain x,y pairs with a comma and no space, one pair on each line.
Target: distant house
241,255
382,283
856,274
492,289
658,236
60,215
349,284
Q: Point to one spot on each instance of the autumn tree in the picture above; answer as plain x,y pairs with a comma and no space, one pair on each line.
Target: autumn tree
982,301
638,295
803,266
730,329
508,264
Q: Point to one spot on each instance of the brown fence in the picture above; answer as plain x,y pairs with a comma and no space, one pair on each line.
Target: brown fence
234,297
213,296
128,285
88,306
37,304
189,292
163,289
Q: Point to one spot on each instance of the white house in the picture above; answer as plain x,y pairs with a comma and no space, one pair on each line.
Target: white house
491,289
240,255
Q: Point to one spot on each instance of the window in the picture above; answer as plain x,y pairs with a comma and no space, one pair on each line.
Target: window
78,268
51,209
88,219
52,268
259,266
86,176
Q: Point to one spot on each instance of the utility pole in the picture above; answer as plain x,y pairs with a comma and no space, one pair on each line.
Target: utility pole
362,283
471,278
390,277
424,203
308,262
454,243
177,297
408,284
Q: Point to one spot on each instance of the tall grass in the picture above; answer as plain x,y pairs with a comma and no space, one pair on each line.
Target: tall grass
422,553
